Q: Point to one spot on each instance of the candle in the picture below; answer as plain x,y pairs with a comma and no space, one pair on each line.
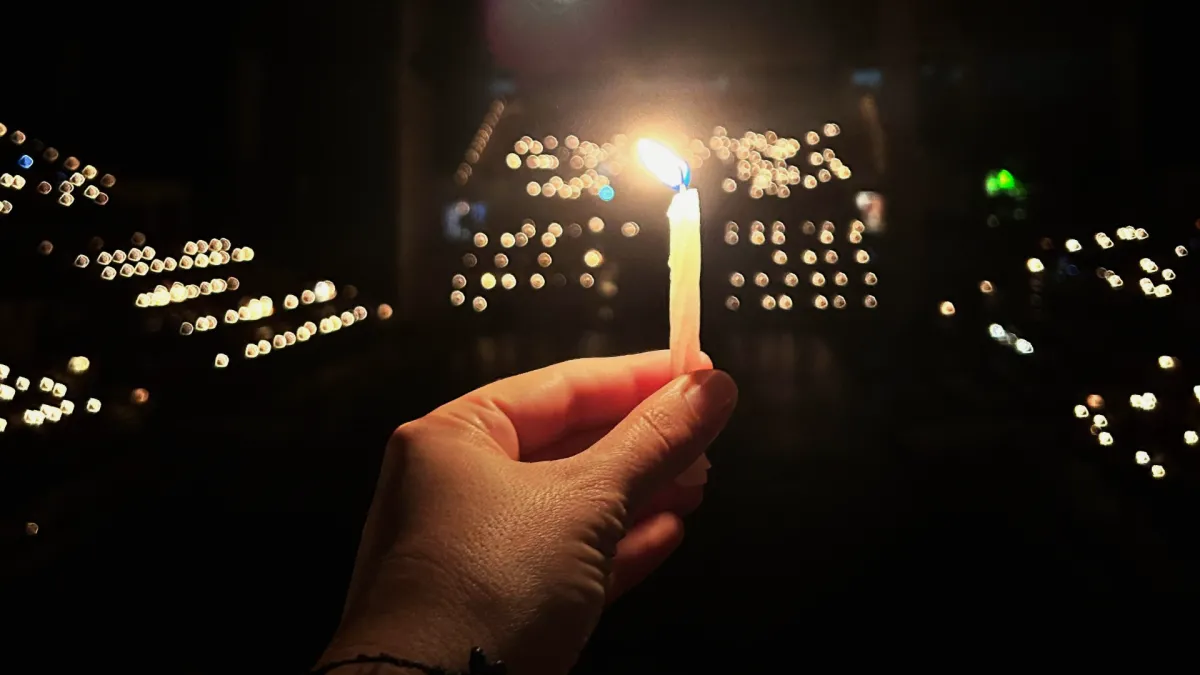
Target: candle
684,262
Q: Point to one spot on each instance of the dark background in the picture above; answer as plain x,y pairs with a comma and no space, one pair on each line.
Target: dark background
875,455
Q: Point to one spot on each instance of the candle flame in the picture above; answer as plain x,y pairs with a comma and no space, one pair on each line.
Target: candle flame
664,164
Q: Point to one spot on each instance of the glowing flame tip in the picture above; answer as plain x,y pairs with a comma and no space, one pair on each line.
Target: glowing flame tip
664,164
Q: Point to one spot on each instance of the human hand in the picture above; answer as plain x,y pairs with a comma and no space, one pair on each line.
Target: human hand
507,518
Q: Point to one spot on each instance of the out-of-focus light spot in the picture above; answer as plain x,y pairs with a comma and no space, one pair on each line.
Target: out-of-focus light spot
1158,472
1166,362
139,396
607,193
384,311
997,332
1073,245
593,258
24,161
488,281
77,365
986,287
1141,457
732,303
1191,437
1105,438
1081,412
1034,265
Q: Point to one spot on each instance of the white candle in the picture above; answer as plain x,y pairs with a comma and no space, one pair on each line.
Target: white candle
684,262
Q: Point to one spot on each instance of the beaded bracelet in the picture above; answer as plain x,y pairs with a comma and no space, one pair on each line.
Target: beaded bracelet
477,664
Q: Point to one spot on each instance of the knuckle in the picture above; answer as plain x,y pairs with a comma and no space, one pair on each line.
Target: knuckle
406,434
661,429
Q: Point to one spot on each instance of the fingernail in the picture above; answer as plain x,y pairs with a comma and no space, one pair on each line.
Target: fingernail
711,392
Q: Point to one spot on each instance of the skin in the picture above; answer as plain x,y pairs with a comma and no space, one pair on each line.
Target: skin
508,518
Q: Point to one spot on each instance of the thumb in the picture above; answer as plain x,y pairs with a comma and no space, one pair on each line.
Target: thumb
665,434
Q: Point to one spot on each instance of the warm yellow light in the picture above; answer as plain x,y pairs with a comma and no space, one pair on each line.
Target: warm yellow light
1166,362
664,164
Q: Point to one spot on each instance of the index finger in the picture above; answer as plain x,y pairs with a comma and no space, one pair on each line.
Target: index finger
528,411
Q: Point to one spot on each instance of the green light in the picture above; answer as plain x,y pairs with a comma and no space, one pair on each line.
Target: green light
1003,182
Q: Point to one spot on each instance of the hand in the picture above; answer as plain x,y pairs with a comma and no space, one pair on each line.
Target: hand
508,518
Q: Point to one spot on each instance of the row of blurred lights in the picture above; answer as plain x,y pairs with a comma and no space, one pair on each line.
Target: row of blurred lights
825,234
791,280
479,142
488,281
1019,344
329,324
785,302
178,292
592,258
46,412
135,261
570,189
249,309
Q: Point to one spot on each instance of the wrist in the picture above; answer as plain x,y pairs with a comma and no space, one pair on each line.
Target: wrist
411,613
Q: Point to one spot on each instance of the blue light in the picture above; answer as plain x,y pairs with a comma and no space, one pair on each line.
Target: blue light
607,193
25,161
1072,270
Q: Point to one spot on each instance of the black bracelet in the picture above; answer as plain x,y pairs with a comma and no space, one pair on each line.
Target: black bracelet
477,664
